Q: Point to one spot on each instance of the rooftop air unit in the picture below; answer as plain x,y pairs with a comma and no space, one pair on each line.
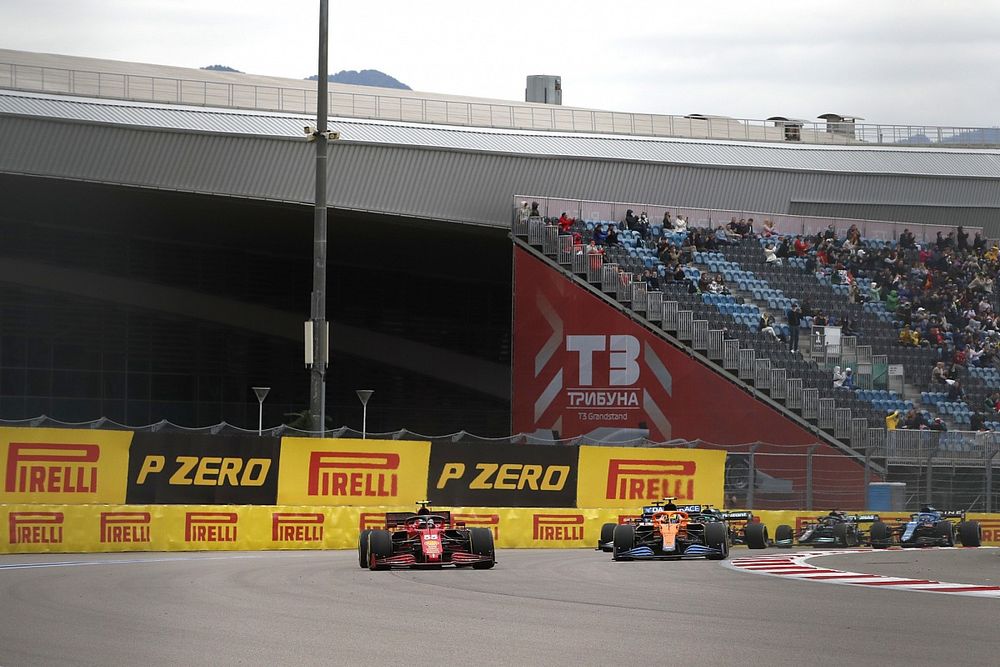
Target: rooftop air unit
544,88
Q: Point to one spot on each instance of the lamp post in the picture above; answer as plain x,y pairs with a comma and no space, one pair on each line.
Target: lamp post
261,393
317,329
363,396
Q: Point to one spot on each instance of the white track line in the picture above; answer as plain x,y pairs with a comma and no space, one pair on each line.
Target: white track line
794,566
133,561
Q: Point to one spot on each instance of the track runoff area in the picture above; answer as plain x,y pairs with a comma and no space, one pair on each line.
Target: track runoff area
552,606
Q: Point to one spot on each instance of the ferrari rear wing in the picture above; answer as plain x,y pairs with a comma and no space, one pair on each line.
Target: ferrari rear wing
393,519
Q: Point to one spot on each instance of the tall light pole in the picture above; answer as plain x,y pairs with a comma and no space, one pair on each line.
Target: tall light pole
261,393
363,396
319,327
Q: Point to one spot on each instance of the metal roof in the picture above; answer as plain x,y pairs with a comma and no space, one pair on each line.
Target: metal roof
968,163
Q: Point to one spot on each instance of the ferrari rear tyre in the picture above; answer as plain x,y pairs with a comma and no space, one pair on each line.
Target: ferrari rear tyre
944,531
481,542
624,540
755,535
607,535
363,548
379,546
841,535
880,537
970,534
717,537
783,535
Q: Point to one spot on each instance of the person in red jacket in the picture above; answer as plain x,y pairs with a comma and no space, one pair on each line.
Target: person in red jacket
801,247
565,223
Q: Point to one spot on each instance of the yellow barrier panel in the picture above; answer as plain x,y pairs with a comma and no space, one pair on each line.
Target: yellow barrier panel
352,472
32,528
50,465
614,476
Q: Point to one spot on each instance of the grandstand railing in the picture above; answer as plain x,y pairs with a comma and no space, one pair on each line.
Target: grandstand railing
420,108
710,217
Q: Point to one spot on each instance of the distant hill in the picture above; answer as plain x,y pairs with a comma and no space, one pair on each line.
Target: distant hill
221,68
366,77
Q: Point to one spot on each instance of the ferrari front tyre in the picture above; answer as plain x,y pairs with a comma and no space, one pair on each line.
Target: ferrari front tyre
607,535
880,536
717,537
755,535
783,536
481,544
363,548
945,532
970,533
379,547
624,540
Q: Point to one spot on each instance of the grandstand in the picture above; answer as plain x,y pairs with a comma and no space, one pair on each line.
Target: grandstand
155,247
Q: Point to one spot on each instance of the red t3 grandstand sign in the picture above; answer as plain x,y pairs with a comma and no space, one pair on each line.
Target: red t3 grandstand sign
581,368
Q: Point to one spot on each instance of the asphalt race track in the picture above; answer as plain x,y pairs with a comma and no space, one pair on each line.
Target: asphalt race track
551,607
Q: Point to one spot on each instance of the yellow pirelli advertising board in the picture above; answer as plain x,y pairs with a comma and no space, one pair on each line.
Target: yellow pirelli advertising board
352,472
627,476
50,465
32,528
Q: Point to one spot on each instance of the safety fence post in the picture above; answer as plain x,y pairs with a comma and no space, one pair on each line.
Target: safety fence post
809,476
751,482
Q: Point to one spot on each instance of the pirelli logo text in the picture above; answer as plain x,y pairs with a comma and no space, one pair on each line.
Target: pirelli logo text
557,527
297,526
646,479
491,521
35,467
125,527
35,527
354,474
371,520
210,526
991,530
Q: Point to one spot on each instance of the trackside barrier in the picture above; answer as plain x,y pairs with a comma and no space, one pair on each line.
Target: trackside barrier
121,528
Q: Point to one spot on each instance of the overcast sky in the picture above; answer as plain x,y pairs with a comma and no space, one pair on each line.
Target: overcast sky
888,61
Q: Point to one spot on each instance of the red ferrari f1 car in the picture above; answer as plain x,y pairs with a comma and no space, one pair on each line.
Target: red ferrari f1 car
425,539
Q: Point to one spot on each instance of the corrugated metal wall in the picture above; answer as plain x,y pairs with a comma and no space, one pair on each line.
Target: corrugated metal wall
450,185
